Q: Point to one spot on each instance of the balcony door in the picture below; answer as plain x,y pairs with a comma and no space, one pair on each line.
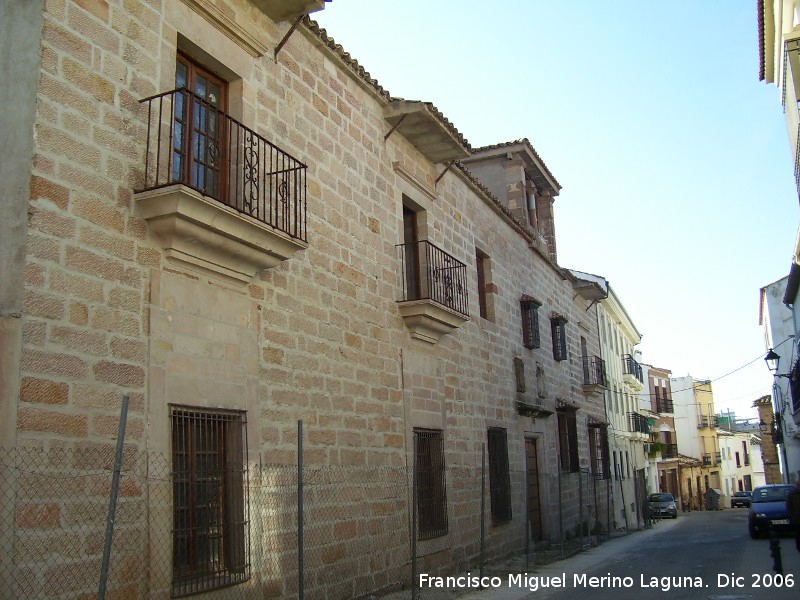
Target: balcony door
411,248
198,143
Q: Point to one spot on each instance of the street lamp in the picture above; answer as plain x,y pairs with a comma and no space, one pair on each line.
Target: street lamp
772,359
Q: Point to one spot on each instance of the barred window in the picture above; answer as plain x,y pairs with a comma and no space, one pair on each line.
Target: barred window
598,451
530,322
209,546
559,333
794,385
568,439
431,486
481,265
499,478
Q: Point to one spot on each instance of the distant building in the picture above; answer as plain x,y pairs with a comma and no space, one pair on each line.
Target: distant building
769,446
696,428
663,450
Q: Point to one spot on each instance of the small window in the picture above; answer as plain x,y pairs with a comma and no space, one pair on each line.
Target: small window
559,333
499,479
530,322
209,545
431,484
568,440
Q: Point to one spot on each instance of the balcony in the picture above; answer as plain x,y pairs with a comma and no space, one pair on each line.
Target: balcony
632,373
706,460
717,458
664,405
707,422
638,423
216,194
434,299
594,374
669,451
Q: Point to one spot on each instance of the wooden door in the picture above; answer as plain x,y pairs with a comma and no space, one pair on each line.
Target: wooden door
534,501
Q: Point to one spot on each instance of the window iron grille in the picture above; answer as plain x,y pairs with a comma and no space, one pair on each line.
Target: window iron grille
431,484
530,323
210,506
499,477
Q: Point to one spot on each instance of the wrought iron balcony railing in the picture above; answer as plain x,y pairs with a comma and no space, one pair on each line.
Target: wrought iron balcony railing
192,142
631,367
594,371
706,460
430,273
669,451
707,422
664,405
638,423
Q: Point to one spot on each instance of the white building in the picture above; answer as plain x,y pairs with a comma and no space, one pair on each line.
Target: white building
628,430
738,461
779,58
780,328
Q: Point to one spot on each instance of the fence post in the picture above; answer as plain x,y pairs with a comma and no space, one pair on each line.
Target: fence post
560,514
414,521
300,549
483,506
580,507
112,501
527,521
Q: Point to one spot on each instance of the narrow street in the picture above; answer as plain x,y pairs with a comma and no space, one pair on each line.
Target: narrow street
709,551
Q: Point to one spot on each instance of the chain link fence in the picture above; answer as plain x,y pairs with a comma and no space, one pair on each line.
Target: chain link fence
349,537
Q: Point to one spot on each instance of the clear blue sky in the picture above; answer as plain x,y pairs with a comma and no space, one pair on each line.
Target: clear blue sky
674,159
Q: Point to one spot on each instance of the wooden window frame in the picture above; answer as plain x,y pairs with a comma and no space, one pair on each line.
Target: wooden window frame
191,164
210,545
431,483
499,476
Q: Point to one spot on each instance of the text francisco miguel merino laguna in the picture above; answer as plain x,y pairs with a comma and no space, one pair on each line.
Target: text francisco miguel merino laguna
578,580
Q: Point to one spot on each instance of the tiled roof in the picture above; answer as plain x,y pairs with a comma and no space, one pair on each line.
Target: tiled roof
364,75
527,143
444,120
348,60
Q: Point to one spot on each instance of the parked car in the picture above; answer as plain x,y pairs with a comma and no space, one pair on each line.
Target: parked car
741,499
662,505
768,509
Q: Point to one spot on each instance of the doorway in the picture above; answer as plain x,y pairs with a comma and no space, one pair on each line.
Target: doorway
534,502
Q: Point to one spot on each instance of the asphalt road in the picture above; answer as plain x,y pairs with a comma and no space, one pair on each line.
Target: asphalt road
701,555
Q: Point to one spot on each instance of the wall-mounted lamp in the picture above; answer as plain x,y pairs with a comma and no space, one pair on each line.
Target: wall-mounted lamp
772,359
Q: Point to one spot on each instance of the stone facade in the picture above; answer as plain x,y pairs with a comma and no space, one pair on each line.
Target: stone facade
120,300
